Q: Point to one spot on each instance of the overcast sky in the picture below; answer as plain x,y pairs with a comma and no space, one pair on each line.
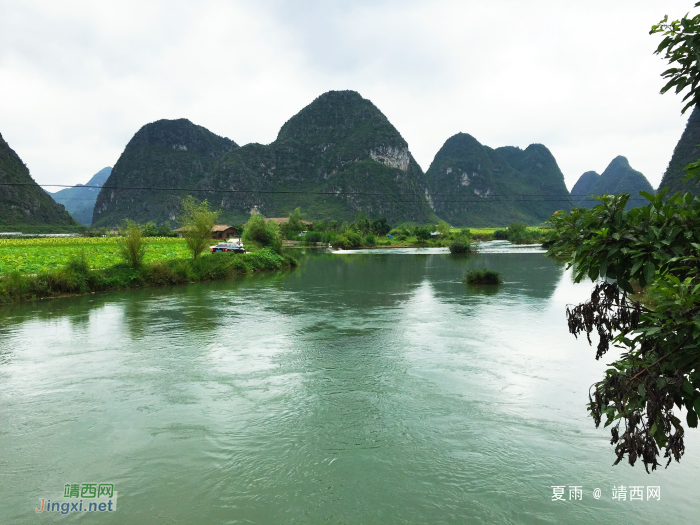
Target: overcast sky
78,79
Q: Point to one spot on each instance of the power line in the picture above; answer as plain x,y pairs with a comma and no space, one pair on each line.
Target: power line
490,198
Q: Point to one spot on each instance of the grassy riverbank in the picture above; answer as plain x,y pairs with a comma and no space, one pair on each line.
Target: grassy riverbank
76,277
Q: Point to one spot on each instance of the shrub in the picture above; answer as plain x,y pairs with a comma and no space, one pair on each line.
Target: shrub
131,245
370,240
262,234
483,277
165,230
461,245
348,240
500,235
422,233
313,237
443,228
197,222
150,229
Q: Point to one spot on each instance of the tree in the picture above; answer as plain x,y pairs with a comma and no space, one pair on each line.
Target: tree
131,245
681,48
657,248
197,222
164,230
443,228
260,233
150,229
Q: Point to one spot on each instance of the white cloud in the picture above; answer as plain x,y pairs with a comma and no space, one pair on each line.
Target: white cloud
78,79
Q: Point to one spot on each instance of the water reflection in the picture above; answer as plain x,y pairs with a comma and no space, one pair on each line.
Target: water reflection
356,388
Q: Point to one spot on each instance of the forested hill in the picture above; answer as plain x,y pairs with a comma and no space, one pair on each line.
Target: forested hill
339,156
80,200
27,207
687,150
475,185
162,154
618,177
336,157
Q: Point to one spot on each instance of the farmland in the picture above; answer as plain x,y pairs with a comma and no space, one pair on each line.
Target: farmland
44,254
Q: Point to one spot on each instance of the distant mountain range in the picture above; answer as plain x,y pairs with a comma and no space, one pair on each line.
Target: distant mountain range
687,150
471,184
79,201
337,157
618,177
24,206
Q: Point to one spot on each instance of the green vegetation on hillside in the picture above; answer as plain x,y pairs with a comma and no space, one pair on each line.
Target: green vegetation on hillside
618,177
25,207
686,152
338,156
162,154
477,185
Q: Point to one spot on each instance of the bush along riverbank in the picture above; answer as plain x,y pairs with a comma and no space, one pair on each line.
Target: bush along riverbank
77,278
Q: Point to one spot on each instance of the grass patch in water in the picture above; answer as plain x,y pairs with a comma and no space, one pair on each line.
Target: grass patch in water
483,277
76,277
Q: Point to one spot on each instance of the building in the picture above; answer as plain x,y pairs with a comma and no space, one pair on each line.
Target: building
219,231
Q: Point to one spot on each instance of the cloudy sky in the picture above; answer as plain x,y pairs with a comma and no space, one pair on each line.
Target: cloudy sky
78,79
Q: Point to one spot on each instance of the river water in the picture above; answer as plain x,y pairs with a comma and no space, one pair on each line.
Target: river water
358,388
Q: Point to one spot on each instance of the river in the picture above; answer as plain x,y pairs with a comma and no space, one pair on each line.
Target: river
357,388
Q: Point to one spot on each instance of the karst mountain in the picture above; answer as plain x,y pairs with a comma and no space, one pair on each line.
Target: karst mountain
618,177
472,184
24,206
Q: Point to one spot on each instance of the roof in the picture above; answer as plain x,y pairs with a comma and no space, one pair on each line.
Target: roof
280,220
221,227
216,228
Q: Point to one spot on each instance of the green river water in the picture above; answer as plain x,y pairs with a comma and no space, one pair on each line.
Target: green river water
357,388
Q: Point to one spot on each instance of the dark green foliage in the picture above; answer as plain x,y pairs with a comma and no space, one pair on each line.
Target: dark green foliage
294,226
381,227
313,236
681,48
369,240
150,229
471,184
165,230
686,152
80,201
483,277
27,208
618,177
262,234
657,247
162,154
77,278
461,245
340,144
518,233
348,240
422,233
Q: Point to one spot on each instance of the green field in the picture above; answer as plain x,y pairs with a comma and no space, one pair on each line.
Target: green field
37,255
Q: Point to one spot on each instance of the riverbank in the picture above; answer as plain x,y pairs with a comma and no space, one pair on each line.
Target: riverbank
77,278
